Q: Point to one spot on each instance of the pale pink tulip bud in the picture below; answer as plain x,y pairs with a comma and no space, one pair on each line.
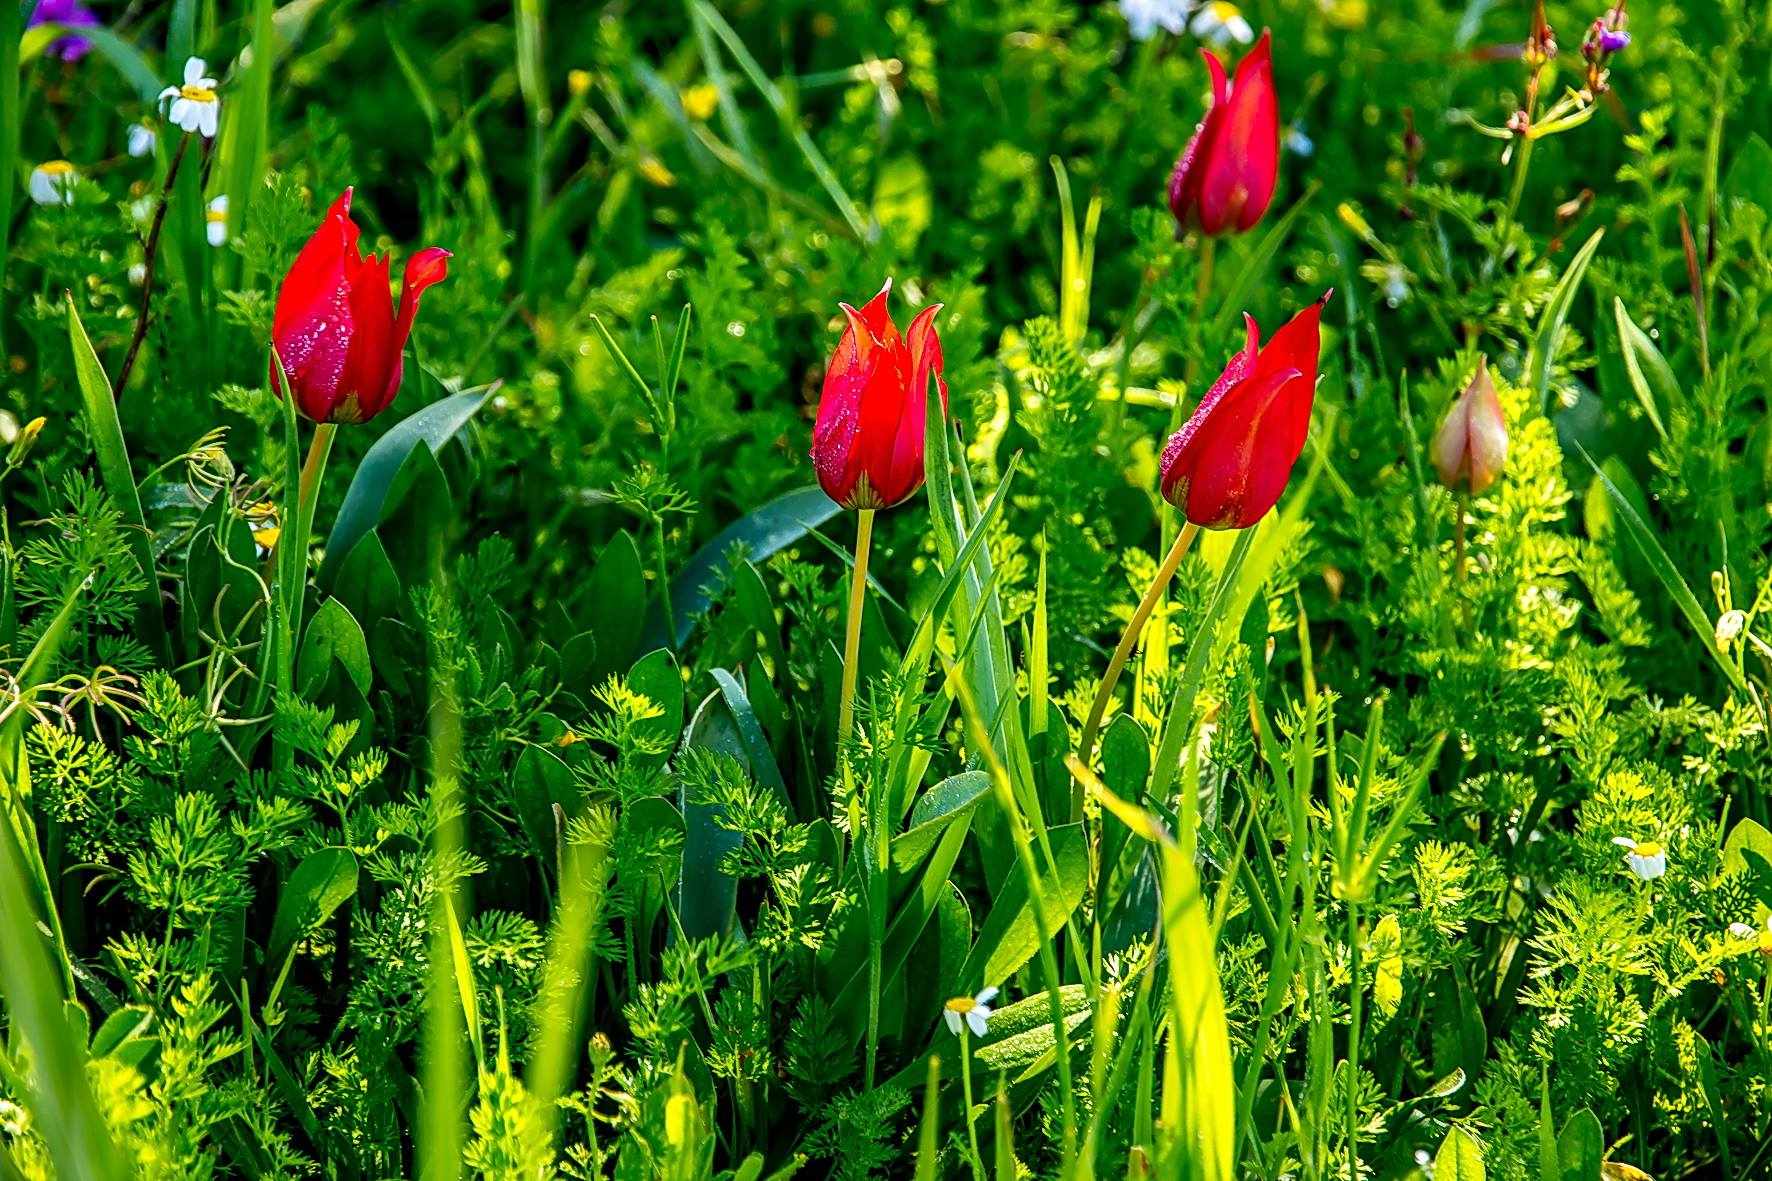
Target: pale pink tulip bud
1470,445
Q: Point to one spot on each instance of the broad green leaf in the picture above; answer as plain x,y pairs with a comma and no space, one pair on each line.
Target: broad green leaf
761,532
1748,835
1580,1147
1651,378
615,600
115,472
750,732
541,782
706,896
1552,319
334,637
433,426
324,881
935,809
656,676
1010,936
1460,1157
1750,173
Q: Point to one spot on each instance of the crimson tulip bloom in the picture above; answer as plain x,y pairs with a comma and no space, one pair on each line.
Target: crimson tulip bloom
336,330
1227,465
867,443
1225,177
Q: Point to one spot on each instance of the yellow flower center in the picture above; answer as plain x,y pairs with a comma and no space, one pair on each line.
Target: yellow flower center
197,94
56,168
215,215
1222,11
961,1004
1647,849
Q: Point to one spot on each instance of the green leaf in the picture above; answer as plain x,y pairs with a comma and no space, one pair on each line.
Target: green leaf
707,897
324,881
935,809
1651,378
1551,320
114,470
761,532
334,637
1459,1159
433,426
124,57
615,595
541,782
1668,575
1750,173
1258,263
1748,835
1010,936
656,676
464,980
1580,1146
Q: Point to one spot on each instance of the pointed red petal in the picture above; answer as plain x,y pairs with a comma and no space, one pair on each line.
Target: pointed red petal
1238,177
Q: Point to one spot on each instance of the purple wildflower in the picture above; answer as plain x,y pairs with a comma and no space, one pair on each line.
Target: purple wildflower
70,14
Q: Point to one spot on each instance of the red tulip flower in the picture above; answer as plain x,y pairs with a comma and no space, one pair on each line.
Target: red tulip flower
1225,177
337,332
1227,465
867,443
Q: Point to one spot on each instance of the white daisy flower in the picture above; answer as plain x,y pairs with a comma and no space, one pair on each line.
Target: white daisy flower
52,183
194,105
973,1010
1647,859
138,273
1729,625
1222,25
1760,935
215,220
1147,16
142,139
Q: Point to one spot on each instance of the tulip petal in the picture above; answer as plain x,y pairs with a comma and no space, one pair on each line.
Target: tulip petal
1177,453
427,268
1238,175
1245,451
312,325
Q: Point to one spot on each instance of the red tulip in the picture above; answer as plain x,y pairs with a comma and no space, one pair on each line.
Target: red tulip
1227,465
1225,177
867,444
336,330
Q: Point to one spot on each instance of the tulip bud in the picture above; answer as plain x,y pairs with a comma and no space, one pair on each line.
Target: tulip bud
337,333
1470,444
1225,177
1227,465
867,444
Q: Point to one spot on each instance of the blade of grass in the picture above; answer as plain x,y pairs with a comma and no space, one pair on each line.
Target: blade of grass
1666,573
789,122
1551,320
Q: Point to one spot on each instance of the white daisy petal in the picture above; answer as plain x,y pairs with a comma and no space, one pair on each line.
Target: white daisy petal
986,996
141,140
208,115
1742,931
953,1020
1624,842
975,1020
195,68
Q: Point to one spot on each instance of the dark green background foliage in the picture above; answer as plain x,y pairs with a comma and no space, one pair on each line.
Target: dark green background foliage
510,836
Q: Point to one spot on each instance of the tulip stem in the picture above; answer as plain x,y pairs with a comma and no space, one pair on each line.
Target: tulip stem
966,1095
858,588
1123,653
150,253
1203,285
1461,505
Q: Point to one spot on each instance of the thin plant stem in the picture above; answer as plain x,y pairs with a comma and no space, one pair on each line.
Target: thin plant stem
1461,505
150,254
1129,640
966,1095
1353,1039
858,587
664,581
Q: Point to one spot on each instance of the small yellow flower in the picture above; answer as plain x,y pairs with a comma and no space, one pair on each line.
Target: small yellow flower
578,82
699,102
653,170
